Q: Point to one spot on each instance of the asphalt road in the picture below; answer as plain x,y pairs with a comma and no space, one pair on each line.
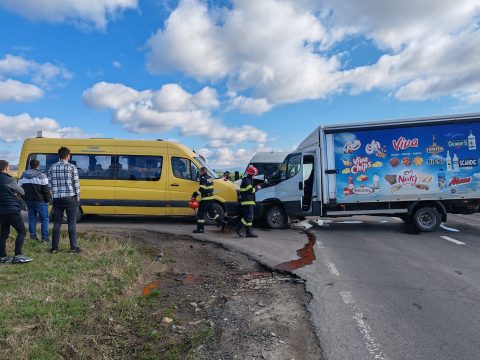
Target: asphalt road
380,290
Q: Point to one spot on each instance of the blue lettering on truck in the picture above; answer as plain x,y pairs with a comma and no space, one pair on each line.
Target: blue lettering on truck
408,163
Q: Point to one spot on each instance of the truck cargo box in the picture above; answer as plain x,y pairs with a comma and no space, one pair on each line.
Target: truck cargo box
407,162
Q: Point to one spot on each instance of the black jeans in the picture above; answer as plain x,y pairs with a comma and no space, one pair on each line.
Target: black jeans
15,220
70,206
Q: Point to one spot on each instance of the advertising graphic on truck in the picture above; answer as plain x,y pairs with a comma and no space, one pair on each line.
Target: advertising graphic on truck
407,163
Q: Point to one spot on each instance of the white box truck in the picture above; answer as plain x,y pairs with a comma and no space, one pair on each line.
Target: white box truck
417,169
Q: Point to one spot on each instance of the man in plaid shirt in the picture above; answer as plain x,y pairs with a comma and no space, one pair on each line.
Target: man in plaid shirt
65,187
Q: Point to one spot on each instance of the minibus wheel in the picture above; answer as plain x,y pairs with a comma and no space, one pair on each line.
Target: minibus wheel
219,210
275,217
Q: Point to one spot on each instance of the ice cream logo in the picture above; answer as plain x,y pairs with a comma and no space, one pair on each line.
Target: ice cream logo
363,190
374,147
434,149
361,164
459,181
352,146
403,144
407,177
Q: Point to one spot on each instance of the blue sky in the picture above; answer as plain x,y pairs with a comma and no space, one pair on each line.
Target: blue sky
229,77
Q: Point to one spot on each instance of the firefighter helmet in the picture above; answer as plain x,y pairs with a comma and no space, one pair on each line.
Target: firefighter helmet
252,170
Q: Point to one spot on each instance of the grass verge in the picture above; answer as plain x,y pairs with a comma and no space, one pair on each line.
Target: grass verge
86,306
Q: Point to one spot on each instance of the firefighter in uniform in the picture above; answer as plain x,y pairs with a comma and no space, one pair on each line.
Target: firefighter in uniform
206,202
247,203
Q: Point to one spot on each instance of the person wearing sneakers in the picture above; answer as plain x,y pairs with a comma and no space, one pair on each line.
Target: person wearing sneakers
65,187
37,196
247,203
10,215
206,202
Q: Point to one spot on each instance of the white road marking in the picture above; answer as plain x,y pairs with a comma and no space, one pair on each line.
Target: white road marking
347,297
448,238
371,343
444,227
397,218
333,269
320,244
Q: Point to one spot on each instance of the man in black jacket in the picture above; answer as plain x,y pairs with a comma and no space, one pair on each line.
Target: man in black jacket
247,203
206,202
37,196
10,215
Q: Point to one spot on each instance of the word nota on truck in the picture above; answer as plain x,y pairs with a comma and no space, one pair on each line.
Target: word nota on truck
132,177
416,169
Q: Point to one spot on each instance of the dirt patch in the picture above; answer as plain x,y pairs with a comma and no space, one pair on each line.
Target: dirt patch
240,309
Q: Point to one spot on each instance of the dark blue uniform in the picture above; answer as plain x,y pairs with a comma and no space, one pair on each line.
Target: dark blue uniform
206,203
247,203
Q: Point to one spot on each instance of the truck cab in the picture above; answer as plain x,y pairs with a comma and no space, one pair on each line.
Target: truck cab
293,190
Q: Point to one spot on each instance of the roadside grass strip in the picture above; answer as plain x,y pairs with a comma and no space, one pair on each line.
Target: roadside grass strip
82,306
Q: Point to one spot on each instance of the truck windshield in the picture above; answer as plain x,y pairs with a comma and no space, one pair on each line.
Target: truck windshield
202,163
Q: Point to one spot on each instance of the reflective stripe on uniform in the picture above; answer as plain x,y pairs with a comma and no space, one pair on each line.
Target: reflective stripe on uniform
245,223
246,188
247,203
208,198
200,221
206,187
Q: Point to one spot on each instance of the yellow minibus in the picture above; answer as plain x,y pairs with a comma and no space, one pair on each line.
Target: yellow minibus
132,177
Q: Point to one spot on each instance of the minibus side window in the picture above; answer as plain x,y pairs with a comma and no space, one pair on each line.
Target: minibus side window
184,169
136,167
93,166
46,160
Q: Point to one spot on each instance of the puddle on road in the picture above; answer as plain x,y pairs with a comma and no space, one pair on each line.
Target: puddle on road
307,256
151,286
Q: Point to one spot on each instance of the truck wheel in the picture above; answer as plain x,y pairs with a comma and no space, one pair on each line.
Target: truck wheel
427,219
219,210
275,217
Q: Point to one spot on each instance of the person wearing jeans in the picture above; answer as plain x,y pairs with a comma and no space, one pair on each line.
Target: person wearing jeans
65,187
10,216
37,196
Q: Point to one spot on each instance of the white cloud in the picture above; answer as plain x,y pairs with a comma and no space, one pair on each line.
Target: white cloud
251,47
84,13
249,105
394,24
168,108
431,48
11,156
31,78
13,90
18,127
117,64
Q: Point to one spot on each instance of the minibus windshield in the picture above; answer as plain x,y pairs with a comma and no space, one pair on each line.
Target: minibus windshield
212,173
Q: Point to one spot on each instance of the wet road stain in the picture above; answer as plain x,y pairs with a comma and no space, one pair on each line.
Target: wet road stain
151,286
307,256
